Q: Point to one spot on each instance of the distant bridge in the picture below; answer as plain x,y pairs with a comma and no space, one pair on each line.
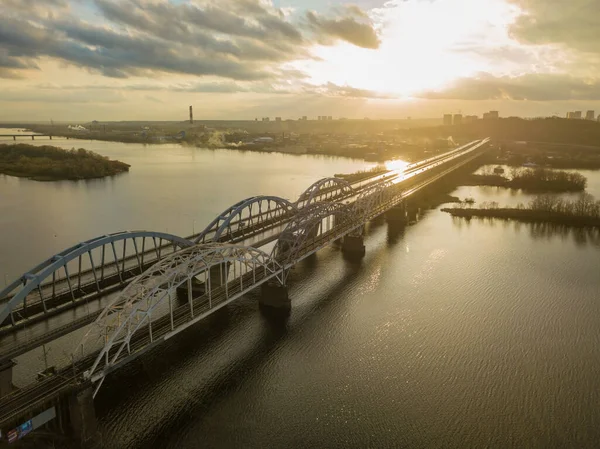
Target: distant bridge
157,284
33,136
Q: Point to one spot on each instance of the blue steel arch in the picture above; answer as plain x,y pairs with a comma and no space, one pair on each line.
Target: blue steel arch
326,188
239,219
33,279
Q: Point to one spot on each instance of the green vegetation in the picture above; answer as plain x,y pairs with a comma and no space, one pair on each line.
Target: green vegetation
47,163
532,180
362,174
584,211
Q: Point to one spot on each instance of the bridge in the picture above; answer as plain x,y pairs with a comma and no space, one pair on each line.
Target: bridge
134,290
33,136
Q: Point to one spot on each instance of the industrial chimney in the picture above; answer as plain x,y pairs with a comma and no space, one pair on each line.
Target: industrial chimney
191,116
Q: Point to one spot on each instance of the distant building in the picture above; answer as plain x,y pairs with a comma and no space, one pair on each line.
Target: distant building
304,118
191,115
447,119
470,118
277,119
577,115
266,119
590,115
491,115
329,117
457,119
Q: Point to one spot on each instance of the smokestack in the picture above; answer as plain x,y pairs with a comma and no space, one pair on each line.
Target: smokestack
191,116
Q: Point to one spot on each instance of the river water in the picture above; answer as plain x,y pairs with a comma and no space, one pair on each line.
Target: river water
448,334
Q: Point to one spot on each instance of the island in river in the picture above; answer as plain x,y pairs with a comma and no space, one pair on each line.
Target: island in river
48,163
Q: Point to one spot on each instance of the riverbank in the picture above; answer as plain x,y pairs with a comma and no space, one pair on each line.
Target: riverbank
524,215
531,180
48,163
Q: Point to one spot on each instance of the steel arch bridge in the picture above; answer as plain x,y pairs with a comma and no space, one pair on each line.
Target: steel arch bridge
246,218
147,310
211,274
85,269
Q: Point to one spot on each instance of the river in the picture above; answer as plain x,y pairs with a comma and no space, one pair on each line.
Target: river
448,334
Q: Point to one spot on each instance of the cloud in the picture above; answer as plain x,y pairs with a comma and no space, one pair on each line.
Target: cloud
115,54
532,87
334,90
236,39
349,29
574,23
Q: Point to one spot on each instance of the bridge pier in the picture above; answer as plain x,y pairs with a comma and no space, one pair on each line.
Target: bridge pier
83,415
14,137
6,377
354,246
397,214
275,295
32,137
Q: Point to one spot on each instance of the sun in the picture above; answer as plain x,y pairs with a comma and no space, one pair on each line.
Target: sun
424,45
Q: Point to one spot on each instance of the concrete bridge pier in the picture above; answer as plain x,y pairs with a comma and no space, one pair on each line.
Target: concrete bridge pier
412,214
275,296
6,377
397,214
354,246
83,416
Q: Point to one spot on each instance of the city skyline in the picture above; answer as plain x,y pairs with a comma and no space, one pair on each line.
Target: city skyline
146,60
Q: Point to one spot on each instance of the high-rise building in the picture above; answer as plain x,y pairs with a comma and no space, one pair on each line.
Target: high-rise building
577,115
277,119
447,119
569,115
329,117
457,120
470,118
590,115
491,115
191,116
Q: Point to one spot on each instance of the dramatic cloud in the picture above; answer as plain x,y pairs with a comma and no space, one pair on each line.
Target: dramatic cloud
348,29
532,87
575,23
235,39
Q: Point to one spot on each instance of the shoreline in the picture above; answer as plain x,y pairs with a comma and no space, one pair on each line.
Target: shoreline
524,215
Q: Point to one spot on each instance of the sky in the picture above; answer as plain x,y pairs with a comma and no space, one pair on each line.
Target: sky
82,60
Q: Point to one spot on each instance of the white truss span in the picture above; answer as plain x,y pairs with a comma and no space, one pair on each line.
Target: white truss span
223,272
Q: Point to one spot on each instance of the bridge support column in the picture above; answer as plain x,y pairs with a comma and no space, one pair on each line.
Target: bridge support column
412,214
275,295
83,416
397,214
32,137
14,137
6,377
354,246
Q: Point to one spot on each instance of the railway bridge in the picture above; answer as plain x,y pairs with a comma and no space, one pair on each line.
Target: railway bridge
134,290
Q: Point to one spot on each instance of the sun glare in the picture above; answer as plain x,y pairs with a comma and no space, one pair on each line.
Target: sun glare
424,45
